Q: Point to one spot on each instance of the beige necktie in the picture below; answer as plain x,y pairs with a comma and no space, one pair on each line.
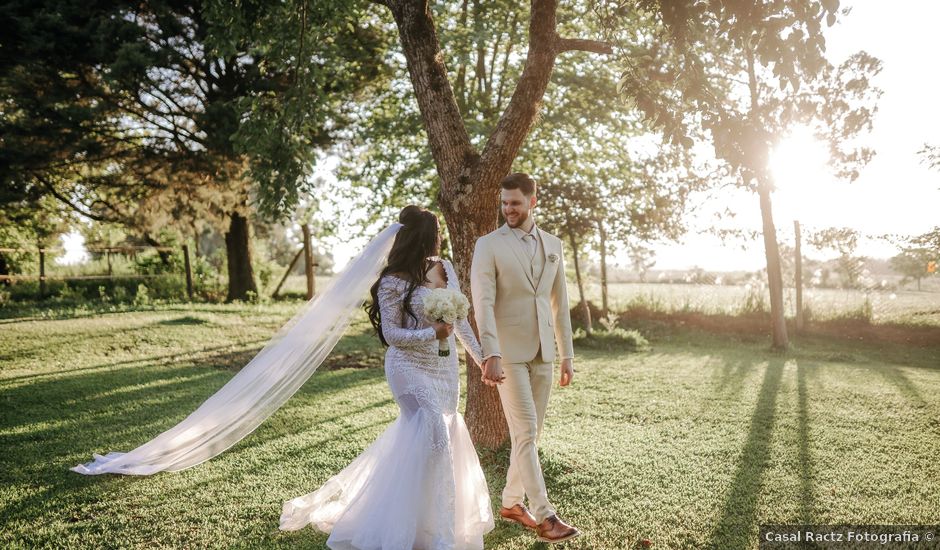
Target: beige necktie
529,240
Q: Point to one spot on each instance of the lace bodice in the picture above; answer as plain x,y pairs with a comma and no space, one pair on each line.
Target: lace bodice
404,332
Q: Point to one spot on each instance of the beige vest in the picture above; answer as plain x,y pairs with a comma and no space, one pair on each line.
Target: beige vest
537,263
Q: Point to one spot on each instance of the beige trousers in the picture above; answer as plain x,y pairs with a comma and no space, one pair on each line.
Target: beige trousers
524,395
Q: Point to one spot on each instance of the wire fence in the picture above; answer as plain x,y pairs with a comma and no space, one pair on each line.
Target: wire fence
114,265
137,272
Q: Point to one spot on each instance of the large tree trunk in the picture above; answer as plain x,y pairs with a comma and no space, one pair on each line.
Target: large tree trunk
774,275
241,277
469,179
484,411
603,235
585,310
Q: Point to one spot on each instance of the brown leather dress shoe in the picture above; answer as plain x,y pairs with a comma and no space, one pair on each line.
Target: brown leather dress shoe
552,529
518,514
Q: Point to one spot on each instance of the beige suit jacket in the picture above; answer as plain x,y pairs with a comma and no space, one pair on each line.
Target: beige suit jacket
515,312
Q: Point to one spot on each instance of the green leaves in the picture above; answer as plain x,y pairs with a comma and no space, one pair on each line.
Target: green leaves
742,66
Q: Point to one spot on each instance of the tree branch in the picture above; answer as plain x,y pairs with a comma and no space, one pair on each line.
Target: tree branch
52,190
502,75
578,44
504,143
447,135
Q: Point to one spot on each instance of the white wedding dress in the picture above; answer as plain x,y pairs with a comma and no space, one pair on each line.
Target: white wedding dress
419,485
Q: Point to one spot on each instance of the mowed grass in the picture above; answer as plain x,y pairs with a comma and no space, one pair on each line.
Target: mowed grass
690,445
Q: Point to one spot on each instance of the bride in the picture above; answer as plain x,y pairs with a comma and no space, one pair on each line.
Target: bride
419,485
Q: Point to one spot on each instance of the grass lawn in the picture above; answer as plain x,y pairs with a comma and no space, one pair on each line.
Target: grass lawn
690,445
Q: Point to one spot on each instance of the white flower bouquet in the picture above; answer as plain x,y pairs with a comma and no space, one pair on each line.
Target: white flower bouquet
445,305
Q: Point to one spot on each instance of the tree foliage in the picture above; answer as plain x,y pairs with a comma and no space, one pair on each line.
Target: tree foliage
844,241
744,73
171,114
914,264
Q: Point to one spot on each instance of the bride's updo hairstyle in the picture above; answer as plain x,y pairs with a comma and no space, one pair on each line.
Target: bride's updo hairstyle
408,260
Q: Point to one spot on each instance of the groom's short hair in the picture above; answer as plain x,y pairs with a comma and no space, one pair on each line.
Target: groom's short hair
520,181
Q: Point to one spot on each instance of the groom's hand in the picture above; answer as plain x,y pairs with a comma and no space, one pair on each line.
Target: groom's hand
492,372
567,372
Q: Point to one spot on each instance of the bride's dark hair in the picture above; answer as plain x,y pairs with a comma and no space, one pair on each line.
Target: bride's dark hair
414,244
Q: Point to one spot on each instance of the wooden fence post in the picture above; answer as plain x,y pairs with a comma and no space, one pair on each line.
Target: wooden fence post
189,272
308,261
42,273
798,263
286,273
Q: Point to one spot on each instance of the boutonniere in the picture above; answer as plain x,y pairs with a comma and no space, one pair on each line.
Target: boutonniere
553,258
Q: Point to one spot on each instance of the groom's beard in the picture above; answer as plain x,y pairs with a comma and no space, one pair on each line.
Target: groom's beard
519,221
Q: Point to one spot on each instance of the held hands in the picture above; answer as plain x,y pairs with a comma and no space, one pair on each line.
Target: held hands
492,372
443,330
567,372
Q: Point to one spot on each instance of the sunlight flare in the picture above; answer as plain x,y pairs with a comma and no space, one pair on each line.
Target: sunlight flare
799,162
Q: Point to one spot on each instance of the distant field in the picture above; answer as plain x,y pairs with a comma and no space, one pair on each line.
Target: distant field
901,306
887,306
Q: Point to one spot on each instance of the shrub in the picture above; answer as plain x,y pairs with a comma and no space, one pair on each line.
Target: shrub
120,294
863,313
617,339
648,302
609,322
142,296
754,300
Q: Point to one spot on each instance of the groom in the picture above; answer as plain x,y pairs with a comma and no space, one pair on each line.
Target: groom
521,306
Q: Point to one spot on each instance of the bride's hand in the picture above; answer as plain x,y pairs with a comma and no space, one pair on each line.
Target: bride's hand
443,330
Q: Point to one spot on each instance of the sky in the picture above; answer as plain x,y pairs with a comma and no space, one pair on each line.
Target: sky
896,193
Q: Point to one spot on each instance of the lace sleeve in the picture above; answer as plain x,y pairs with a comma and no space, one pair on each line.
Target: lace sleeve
390,299
462,328
465,334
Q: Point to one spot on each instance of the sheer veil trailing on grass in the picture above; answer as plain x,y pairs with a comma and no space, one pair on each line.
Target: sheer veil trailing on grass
265,383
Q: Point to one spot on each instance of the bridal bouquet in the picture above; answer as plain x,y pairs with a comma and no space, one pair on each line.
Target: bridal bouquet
445,305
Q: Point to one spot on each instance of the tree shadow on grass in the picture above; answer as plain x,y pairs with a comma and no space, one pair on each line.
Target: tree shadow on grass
732,373
926,412
69,340
805,459
902,383
187,357
48,425
185,320
739,513
21,315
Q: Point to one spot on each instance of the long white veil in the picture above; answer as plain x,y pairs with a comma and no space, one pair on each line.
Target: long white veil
265,383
